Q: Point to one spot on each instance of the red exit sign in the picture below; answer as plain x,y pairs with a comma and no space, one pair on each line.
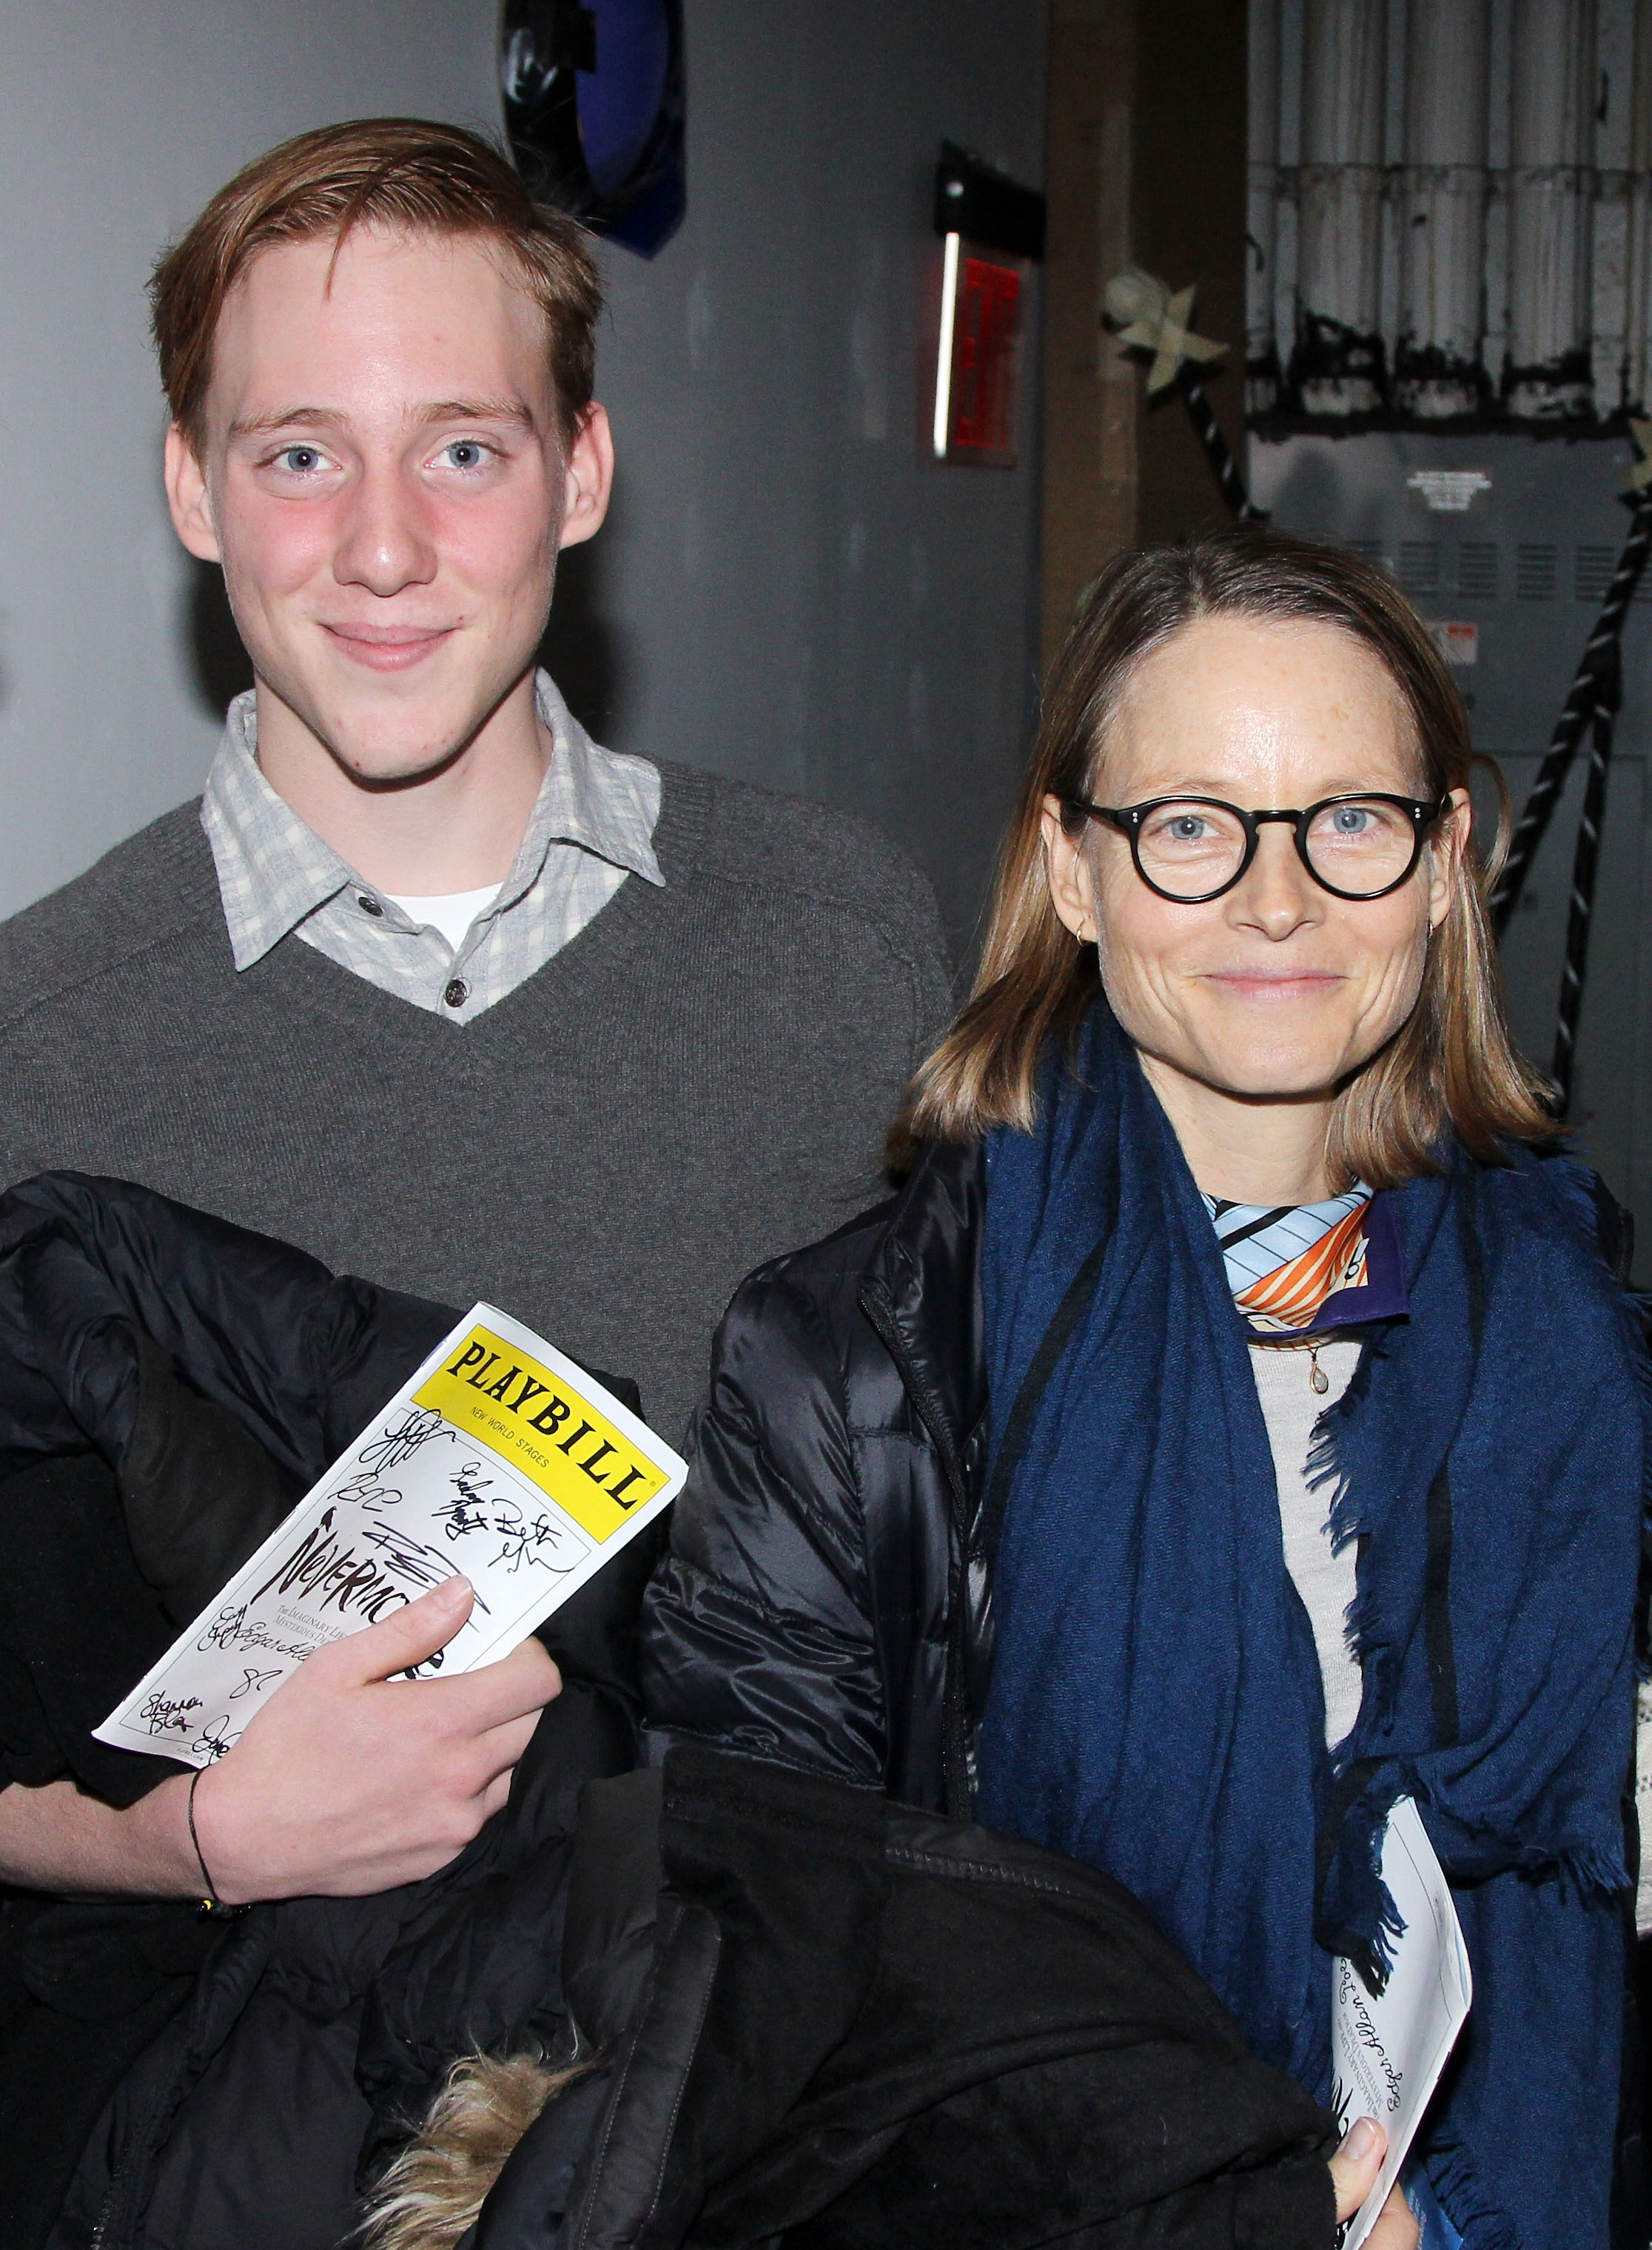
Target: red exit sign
978,356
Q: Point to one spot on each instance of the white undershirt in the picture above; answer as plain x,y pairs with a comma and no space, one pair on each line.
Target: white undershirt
1326,1582
451,912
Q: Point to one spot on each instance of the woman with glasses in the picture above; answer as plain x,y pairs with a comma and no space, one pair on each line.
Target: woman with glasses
1234,1425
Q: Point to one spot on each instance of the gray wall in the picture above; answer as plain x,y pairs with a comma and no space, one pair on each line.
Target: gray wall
784,593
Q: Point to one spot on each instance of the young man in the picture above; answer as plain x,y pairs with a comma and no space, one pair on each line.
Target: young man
429,983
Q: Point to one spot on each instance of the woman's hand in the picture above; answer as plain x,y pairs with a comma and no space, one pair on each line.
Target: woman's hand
1353,2174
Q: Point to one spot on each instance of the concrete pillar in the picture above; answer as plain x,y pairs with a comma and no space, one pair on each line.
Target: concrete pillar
1437,364
1551,188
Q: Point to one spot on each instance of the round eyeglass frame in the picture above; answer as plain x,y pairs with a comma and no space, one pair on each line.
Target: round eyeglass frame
1128,819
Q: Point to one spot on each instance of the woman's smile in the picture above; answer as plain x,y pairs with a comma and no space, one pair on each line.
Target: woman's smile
1273,984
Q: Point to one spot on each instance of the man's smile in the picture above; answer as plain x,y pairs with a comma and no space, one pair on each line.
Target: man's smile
388,648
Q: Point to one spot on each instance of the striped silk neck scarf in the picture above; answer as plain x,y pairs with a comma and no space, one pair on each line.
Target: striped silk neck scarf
1284,1264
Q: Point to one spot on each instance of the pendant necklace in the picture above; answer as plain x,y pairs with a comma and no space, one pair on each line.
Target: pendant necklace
1316,1374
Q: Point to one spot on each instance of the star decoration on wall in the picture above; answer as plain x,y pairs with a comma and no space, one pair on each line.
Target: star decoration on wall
1148,318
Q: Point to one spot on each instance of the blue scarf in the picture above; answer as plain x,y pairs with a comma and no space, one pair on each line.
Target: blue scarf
1155,1706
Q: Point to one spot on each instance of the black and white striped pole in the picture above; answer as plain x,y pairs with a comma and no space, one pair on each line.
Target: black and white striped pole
1599,656
1607,681
1147,318
1597,692
1218,452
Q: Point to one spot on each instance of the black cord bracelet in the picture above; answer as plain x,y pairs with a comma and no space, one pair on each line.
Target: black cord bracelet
212,1905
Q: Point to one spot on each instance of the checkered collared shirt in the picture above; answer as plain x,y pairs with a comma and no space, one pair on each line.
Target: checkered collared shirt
592,825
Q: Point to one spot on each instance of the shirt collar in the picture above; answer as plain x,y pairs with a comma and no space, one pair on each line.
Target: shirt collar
274,870
1384,1296
1262,1245
601,800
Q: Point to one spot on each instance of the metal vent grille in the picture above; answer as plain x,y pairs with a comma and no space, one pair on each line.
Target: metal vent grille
1536,570
1477,569
1419,566
1592,574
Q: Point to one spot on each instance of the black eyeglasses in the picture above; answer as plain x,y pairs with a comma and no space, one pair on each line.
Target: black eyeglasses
1192,849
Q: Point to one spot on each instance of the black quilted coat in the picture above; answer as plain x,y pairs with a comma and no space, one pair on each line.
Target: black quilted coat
813,2018
827,1599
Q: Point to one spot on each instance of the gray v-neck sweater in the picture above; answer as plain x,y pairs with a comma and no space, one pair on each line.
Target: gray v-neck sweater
699,1079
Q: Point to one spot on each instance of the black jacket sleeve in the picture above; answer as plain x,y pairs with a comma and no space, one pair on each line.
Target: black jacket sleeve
300,1356
758,1633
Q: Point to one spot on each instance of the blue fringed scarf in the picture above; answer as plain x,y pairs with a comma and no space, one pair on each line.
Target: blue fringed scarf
1155,1707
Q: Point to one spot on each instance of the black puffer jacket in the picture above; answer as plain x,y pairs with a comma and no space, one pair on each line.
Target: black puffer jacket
827,1598
815,2018
169,1386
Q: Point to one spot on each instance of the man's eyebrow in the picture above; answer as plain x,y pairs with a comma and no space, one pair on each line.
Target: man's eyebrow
479,410
512,411
284,417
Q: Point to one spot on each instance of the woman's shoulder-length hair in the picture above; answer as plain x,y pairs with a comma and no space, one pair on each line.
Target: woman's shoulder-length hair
1452,1067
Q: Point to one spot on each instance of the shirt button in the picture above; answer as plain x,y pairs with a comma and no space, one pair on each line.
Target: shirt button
457,993
369,905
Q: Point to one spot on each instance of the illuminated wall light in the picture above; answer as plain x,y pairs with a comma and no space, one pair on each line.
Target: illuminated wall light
992,230
943,354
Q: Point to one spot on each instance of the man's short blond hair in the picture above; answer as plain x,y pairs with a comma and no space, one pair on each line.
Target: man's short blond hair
397,172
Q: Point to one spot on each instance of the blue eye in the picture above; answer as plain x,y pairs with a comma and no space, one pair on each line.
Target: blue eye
300,459
465,453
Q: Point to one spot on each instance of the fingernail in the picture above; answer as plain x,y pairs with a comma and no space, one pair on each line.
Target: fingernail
1362,2138
456,1588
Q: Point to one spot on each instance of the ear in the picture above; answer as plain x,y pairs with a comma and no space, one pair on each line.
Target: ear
590,477
1072,888
188,498
1448,849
